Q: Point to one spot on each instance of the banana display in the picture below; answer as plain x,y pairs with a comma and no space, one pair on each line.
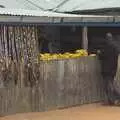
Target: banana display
67,55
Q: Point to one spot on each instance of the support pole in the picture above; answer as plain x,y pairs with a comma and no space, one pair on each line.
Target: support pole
85,38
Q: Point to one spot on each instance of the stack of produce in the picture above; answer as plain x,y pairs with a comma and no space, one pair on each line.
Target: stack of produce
67,55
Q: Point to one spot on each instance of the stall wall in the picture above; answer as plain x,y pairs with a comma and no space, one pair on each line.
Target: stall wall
49,85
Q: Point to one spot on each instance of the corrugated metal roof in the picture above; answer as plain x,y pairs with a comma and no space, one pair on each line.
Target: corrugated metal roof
77,5
26,9
23,16
23,12
11,4
73,5
60,5
29,4
39,4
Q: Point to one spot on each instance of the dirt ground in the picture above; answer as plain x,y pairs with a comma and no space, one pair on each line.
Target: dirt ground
87,112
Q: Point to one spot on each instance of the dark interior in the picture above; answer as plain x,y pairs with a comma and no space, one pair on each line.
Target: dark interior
68,37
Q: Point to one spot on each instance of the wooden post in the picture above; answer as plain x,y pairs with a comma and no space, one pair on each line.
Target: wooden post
85,38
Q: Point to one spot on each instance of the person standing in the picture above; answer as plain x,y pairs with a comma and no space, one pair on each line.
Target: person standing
50,39
53,38
109,67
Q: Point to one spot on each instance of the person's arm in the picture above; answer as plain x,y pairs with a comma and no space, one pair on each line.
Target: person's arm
50,47
114,45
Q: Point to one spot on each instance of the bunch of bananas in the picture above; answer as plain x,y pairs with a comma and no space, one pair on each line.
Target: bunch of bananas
67,55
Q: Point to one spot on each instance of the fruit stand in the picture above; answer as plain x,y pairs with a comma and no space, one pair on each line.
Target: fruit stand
67,55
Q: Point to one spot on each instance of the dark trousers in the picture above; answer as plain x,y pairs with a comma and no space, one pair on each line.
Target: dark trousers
112,95
108,87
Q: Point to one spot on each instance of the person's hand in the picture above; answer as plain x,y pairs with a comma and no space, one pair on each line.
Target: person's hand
98,52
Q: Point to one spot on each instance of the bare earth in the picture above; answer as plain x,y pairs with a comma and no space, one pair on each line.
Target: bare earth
87,112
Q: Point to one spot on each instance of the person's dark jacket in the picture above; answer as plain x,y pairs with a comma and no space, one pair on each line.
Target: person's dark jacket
110,57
